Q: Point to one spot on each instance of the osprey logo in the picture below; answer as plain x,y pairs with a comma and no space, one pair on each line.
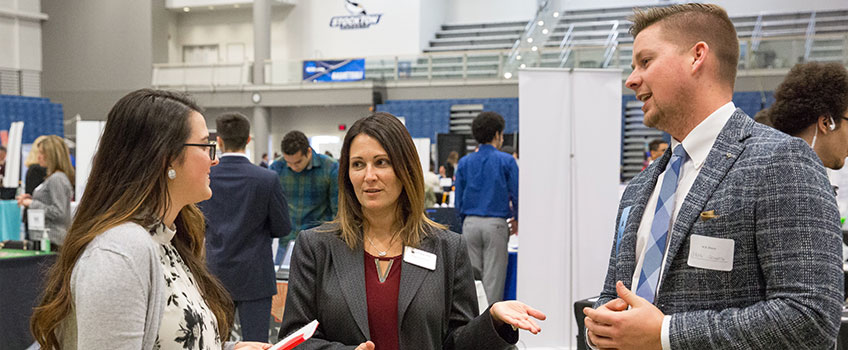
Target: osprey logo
358,19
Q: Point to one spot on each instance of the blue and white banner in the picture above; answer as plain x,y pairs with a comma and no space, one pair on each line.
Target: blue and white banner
337,70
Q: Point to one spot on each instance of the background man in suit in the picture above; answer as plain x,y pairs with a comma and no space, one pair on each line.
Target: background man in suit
246,211
731,240
311,184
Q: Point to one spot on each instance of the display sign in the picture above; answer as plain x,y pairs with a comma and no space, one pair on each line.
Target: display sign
35,219
338,70
359,18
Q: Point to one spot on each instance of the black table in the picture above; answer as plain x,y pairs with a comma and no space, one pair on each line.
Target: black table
21,283
446,216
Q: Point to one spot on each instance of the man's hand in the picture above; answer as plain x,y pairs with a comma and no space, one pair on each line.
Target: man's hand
513,226
611,327
369,345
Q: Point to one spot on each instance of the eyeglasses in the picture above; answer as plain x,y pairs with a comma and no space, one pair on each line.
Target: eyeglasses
211,146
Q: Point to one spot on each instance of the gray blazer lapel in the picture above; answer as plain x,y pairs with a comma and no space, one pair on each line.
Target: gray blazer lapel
350,270
411,277
726,150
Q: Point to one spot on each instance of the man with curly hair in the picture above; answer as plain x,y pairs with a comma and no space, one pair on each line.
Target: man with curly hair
812,103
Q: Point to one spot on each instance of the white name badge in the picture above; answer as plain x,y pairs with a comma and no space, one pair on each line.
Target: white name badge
35,219
711,253
420,258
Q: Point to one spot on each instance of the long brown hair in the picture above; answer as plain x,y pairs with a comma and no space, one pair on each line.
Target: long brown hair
395,139
144,133
56,155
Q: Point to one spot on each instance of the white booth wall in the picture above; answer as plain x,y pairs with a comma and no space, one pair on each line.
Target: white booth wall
570,123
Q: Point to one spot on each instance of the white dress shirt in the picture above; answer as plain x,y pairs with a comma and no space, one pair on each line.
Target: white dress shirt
235,154
697,144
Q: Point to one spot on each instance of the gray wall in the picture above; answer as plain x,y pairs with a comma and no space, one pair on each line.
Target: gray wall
95,52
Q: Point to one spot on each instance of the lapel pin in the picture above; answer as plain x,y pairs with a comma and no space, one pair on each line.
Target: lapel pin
707,215
729,155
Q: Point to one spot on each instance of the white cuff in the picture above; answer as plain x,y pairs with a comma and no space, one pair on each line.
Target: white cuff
589,342
664,338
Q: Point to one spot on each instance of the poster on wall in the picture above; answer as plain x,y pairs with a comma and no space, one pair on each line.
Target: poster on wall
336,70
358,17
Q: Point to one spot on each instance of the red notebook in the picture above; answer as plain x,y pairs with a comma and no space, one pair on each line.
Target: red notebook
297,337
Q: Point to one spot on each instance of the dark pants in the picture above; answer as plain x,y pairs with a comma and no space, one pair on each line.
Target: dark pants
254,316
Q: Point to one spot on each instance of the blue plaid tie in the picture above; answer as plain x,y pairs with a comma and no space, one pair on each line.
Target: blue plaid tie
655,249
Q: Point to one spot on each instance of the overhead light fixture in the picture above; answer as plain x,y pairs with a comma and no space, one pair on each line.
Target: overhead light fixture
534,48
507,75
556,14
518,57
522,66
541,23
529,40
186,9
545,31
236,5
211,8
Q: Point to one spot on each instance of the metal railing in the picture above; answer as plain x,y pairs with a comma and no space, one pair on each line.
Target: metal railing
772,53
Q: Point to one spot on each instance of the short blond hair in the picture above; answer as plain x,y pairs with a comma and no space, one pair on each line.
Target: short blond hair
688,24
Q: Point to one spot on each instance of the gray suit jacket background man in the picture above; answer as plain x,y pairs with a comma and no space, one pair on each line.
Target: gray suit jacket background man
770,195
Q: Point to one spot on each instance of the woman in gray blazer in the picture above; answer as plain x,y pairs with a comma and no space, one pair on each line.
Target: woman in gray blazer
54,195
384,276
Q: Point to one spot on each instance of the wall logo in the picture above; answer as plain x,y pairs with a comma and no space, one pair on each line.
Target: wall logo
358,18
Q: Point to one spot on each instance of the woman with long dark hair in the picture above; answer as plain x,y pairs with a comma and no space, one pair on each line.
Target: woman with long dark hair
130,274
383,275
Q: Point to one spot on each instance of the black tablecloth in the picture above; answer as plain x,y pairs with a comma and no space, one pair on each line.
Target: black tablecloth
21,281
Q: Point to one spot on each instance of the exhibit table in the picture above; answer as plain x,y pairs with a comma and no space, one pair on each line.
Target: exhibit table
22,274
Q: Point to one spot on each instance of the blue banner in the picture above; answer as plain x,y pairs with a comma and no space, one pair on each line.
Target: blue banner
338,70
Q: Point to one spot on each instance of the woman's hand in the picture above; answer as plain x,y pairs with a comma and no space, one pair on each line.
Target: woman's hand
24,200
250,345
516,314
365,346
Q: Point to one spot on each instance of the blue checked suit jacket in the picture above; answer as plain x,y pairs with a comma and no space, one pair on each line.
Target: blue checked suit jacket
771,196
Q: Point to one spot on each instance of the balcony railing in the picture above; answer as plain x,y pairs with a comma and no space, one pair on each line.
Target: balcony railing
769,53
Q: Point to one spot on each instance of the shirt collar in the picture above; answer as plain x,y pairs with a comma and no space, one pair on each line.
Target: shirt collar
700,140
163,234
234,154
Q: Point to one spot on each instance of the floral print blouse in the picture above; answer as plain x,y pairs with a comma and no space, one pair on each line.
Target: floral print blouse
187,322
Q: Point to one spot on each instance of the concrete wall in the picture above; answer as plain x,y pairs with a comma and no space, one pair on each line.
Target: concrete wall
95,52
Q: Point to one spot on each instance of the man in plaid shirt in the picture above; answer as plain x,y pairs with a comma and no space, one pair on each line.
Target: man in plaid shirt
310,183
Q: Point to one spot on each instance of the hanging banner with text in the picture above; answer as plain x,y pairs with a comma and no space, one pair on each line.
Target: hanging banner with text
334,71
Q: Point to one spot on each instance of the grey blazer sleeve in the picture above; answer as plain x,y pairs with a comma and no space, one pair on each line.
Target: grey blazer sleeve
301,304
465,330
53,197
798,251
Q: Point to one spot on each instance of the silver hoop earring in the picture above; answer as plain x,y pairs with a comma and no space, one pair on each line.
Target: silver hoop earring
172,174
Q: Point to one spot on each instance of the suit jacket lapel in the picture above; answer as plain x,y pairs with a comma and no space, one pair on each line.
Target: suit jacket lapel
350,271
726,150
627,267
411,277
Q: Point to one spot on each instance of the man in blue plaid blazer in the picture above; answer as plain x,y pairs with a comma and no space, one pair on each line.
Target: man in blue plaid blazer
731,239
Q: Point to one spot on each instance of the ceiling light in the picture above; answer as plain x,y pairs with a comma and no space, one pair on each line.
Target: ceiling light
529,40
534,48
556,14
507,75
186,9
545,31
522,66
541,23
236,5
211,8
518,57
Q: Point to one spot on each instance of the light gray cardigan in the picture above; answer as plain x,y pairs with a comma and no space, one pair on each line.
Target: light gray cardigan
119,293
54,196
